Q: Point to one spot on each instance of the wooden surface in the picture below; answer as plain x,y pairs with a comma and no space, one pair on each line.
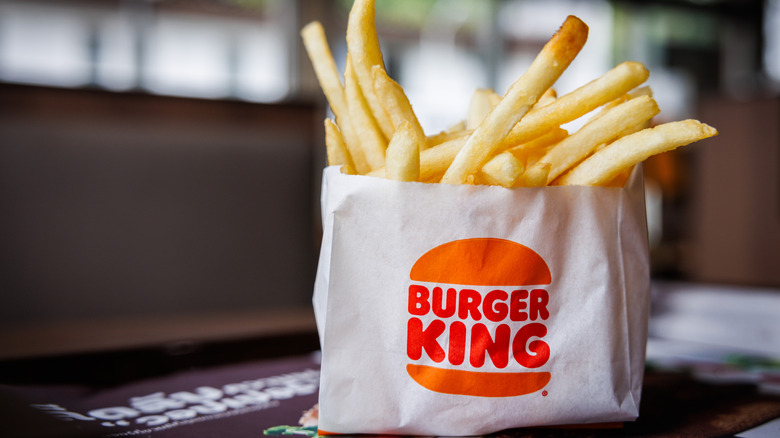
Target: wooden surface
174,332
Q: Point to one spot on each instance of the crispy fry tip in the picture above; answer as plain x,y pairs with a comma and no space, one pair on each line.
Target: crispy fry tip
569,39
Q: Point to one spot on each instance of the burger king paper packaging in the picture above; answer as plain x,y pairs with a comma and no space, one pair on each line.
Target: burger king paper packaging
464,310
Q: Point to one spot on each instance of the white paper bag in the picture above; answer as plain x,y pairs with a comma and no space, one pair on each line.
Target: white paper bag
464,310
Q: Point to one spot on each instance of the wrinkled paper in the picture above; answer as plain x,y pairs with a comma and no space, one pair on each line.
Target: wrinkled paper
592,239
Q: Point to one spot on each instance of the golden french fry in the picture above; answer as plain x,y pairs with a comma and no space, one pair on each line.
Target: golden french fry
502,170
396,103
531,152
456,131
327,73
635,128
403,154
540,143
324,65
644,91
435,160
618,181
602,129
543,120
641,91
336,149
483,100
637,92
547,98
546,118
363,48
372,142
535,176
577,103
553,59
606,164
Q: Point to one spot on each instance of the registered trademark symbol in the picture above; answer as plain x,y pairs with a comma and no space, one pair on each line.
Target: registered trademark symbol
544,393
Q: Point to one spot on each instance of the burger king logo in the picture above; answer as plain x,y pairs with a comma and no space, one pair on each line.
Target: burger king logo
473,303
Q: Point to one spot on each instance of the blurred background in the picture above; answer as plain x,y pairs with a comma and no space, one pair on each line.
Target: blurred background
160,159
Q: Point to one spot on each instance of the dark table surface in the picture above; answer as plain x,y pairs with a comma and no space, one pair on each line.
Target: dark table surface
247,387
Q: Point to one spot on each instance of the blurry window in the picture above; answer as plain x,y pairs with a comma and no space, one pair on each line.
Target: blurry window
44,45
188,56
772,38
527,25
225,49
262,63
116,54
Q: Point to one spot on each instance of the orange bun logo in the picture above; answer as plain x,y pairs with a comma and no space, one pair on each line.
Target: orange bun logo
471,300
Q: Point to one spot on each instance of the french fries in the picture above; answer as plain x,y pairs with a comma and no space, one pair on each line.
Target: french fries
555,56
363,48
325,69
515,140
600,130
482,102
606,164
372,141
579,102
397,105
403,154
336,149
503,170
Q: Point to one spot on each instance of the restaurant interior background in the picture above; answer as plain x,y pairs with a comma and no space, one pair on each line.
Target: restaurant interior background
160,159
